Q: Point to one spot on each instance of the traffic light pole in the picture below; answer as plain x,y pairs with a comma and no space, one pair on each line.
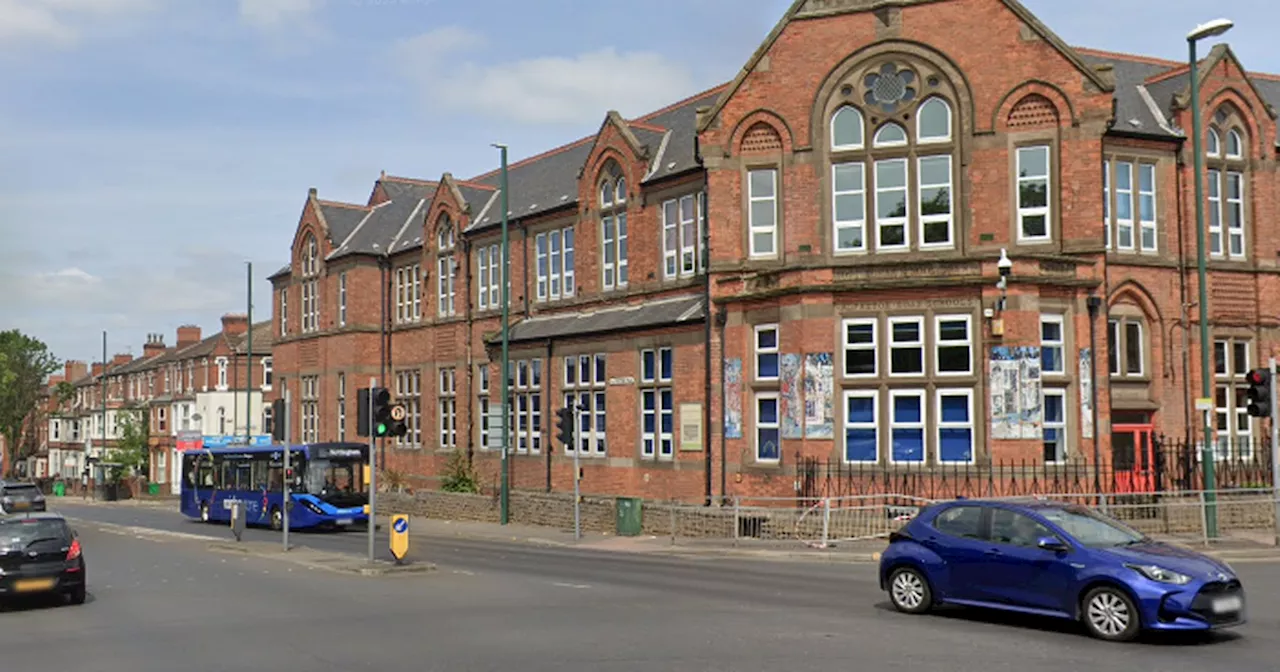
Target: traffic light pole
288,470
373,471
577,477
1275,444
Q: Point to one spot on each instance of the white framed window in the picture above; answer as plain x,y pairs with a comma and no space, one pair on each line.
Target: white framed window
267,374
1055,425
1235,215
891,205
222,373
1147,207
933,121
768,427
1124,205
861,426
1235,145
1213,143
953,345
554,251
446,281
310,406
766,342
342,299
906,346
1052,345
1215,212
955,426
906,426
526,405
849,205
408,293
657,404
482,407
584,392
1126,347
1106,203
310,307
861,356
284,311
935,199
488,263
613,242
1034,205
342,407
448,403
890,135
1233,359
847,129
682,236
762,211
408,391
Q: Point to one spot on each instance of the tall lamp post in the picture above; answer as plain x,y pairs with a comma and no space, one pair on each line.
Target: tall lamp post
1204,31
505,498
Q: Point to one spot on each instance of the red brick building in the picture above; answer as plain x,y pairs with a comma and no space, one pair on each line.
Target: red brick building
863,177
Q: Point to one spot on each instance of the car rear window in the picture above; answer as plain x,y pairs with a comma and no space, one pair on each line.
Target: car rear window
22,531
26,490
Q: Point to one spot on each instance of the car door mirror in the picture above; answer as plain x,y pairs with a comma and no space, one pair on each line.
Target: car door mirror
1051,544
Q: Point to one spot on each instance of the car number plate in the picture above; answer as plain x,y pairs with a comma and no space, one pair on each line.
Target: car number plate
32,585
1227,605
344,521
19,506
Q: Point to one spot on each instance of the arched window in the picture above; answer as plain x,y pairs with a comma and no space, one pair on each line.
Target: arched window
1235,146
446,267
613,228
1213,145
895,195
310,285
310,257
1226,179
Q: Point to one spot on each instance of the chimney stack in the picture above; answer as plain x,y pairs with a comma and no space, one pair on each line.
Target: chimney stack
235,324
74,370
188,335
97,369
154,346
121,360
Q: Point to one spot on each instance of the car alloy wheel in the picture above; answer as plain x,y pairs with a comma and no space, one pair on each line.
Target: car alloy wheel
1111,615
277,518
909,591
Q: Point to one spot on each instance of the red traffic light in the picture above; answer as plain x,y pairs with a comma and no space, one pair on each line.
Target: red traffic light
1257,377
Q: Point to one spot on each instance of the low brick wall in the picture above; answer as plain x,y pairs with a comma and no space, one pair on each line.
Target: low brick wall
527,508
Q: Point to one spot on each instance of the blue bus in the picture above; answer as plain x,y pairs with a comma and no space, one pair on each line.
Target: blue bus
328,487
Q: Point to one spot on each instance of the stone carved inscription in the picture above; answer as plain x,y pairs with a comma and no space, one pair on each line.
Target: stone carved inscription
904,271
1057,268
885,306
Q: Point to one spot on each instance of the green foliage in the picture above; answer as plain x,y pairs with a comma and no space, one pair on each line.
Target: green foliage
132,451
63,392
25,364
459,476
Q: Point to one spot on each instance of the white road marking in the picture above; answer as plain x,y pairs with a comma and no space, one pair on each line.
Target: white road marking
571,585
464,571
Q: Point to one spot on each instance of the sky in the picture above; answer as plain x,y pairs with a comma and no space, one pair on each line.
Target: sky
151,149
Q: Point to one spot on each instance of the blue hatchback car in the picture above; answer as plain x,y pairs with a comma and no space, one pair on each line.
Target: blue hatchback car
1055,559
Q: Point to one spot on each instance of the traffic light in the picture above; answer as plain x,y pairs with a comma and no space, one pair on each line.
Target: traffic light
564,425
379,424
1259,393
278,420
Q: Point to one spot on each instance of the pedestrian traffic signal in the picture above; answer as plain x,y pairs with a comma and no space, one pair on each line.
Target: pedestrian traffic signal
564,425
278,420
377,425
1259,392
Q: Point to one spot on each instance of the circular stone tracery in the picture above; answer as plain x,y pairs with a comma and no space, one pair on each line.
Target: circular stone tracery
889,87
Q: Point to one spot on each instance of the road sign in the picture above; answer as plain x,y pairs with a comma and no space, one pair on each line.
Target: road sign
397,412
399,536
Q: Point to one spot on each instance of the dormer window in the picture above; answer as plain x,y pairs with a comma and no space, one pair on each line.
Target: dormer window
613,228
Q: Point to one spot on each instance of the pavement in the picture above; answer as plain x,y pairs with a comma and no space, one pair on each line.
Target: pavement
161,600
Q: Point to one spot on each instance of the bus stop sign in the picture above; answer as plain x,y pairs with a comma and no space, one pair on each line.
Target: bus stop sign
399,536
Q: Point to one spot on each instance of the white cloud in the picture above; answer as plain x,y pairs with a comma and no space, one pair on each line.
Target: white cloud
544,90
58,23
268,14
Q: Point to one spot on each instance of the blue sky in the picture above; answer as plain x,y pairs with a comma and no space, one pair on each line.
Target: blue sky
149,148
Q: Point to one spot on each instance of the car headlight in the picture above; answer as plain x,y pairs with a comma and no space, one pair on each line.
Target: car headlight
1158,573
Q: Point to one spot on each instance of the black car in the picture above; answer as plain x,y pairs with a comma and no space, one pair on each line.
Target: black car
40,554
20,497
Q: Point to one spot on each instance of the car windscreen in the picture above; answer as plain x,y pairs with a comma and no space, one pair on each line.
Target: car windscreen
25,491
20,533
1091,528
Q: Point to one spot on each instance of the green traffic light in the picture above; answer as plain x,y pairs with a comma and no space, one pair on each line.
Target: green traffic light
382,429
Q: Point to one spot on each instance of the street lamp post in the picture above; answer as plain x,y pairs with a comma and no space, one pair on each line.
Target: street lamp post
505,497
1203,31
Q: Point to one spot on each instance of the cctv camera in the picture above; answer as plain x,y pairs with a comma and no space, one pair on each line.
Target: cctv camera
1005,264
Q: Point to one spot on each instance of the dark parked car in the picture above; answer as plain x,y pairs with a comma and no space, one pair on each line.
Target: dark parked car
40,553
18,497
1060,560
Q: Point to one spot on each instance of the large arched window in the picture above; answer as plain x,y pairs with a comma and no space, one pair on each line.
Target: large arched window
613,227
310,285
446,267
894,193
1226,180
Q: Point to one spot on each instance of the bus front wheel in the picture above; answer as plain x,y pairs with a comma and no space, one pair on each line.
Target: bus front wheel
277,519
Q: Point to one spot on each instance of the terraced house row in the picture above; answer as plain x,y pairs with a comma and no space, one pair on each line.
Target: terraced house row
802,265
200,391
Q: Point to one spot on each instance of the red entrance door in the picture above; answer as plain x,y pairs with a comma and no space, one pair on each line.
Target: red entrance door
1133,458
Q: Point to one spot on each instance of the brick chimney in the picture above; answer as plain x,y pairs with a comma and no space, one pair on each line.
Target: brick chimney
234,324
74,370
121,360
97,369
154,345
188,335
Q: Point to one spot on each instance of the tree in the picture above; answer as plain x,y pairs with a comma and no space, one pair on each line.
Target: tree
25,364
133,439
